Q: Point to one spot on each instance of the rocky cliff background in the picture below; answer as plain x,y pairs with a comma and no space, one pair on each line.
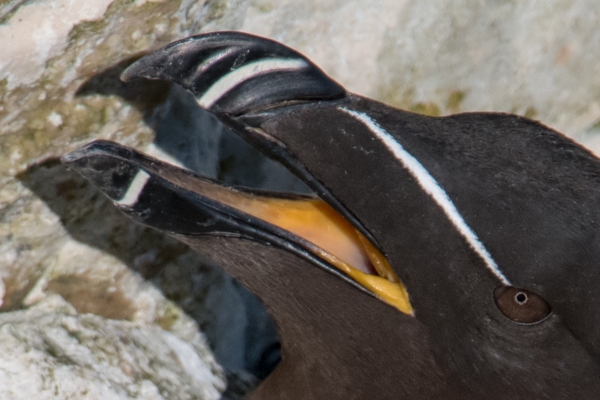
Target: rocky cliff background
96,307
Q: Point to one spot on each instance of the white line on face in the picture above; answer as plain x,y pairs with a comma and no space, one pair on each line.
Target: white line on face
135,188
235,77
432,188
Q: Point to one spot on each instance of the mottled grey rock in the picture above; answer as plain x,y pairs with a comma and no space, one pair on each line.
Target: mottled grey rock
343,37
49,351
534,59
59,88
538,59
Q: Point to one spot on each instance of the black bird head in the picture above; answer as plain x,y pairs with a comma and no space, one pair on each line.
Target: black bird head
452,257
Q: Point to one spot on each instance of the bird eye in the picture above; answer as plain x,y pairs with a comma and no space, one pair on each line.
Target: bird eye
521,305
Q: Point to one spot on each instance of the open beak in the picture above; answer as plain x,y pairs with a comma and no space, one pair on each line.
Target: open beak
173,199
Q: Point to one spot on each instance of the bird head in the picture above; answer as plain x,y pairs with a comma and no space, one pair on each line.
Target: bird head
458,256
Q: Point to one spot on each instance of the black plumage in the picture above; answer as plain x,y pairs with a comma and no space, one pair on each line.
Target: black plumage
489,220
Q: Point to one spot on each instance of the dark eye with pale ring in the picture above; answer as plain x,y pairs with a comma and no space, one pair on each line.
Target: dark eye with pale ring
521,305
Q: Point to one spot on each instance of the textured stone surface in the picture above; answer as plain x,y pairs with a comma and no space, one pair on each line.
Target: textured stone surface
53,48
49,351
537,59
344,38
59,88
534,59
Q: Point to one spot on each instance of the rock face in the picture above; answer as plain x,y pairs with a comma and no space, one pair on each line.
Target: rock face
59,88
145,294
49,351
445,57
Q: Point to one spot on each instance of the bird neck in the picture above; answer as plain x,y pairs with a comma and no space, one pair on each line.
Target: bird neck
337,341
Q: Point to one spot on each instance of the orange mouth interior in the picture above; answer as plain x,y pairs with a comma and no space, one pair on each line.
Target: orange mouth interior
330,237
325,232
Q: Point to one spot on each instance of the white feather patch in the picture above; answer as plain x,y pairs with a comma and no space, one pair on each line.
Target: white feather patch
135,188
237,76
432,188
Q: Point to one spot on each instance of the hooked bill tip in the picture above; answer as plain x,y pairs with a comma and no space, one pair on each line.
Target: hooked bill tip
71,157
97,147
110,167
78,154
150,66
132,72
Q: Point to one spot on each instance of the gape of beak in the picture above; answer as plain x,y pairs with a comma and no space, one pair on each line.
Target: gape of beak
301,222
